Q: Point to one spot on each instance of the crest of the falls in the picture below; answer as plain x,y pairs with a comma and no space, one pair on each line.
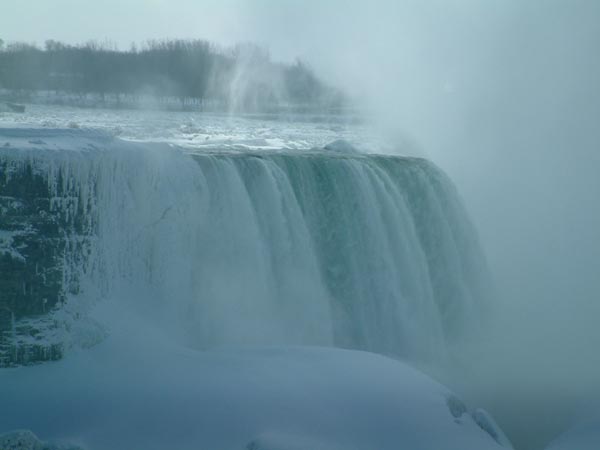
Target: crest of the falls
313,247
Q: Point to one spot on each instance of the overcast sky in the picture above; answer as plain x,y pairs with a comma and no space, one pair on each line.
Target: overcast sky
122,21
289,28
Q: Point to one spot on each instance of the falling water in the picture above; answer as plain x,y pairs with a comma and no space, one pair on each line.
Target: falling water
306,247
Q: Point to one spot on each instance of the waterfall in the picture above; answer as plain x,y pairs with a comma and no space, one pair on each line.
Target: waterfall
293,247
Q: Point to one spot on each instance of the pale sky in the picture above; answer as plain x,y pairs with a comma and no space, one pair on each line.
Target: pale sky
289,28
122,21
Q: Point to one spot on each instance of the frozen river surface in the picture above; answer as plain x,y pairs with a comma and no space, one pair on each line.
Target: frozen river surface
197,130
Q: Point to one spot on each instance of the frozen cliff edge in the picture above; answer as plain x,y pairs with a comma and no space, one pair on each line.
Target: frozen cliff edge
313,247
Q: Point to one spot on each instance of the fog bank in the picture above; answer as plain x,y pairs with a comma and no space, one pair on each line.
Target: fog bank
505,97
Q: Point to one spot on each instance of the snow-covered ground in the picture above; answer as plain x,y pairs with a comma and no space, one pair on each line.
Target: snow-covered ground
585,435
138,389
204,130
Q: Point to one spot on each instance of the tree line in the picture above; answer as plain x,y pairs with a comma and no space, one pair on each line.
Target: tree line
242,77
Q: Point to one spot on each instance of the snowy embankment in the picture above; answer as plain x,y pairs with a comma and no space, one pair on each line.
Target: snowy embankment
138,389
585,435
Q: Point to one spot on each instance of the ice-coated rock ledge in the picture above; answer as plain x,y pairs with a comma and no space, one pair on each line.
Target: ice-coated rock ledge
26,440
44,235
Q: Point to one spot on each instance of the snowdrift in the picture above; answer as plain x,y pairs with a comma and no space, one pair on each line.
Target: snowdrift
137,389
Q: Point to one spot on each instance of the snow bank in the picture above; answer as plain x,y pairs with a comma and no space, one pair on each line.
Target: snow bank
341,146
583,436
137,389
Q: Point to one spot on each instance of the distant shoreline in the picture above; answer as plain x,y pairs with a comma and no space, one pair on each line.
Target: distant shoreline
163,103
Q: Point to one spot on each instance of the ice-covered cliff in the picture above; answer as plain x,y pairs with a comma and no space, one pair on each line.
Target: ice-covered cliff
223,247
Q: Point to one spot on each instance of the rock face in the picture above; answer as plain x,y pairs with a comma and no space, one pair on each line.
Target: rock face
34,235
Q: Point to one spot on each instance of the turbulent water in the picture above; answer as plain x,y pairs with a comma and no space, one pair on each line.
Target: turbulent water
272,247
